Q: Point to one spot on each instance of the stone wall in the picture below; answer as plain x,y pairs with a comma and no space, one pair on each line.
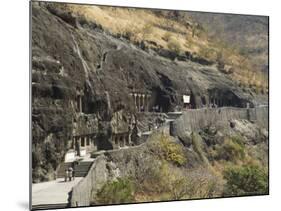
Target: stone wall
196,119
82,193
262,116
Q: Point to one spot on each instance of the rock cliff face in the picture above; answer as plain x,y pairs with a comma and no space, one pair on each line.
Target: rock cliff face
82,78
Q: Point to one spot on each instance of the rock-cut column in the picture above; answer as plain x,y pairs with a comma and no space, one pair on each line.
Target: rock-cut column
80,103
147,102
138,102
135,99
143,102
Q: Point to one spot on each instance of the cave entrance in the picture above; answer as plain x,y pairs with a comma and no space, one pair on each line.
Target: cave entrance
225,98
160,101
103,142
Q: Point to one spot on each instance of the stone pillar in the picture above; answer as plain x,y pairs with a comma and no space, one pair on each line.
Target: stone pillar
132,96
143,102
80,103
79,141
147,101
137,102
129,139
119,141
113,140
135,99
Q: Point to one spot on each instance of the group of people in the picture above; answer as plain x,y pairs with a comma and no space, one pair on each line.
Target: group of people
69,174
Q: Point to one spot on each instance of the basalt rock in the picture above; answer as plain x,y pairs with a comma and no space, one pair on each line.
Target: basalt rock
72,57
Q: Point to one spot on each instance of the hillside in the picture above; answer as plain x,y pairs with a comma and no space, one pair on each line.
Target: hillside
247,34
112,81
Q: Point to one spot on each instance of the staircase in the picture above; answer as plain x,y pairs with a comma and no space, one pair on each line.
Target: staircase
80,170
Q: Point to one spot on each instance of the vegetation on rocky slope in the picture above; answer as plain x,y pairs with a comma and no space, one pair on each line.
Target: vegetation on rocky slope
248,179
221,169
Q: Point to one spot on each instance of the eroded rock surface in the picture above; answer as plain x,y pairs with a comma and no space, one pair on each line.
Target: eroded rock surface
76,61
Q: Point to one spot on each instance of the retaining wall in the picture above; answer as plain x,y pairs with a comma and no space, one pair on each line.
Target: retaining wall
196,119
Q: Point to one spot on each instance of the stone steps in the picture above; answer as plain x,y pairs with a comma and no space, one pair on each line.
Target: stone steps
80,170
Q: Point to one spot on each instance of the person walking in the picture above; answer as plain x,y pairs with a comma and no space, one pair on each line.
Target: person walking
73,171
73,175
66,175
70,169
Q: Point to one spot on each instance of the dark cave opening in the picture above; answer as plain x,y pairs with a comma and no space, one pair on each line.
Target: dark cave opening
160,101
104,143
225,98
57,92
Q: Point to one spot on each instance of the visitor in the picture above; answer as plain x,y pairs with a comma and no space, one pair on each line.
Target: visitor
73,167
66,175
70,169
73,175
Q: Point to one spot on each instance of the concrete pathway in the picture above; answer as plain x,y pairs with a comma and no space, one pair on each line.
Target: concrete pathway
53,192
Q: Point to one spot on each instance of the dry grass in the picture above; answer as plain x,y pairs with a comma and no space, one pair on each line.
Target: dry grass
140,24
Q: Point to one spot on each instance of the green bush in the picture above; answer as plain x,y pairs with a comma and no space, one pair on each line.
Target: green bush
115,192
245,180
172,152
168,150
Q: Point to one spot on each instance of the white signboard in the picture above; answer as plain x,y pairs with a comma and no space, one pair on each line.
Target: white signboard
186,99
69,156
82,152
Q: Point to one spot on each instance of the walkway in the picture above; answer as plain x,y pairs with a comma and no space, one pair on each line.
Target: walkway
52,193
